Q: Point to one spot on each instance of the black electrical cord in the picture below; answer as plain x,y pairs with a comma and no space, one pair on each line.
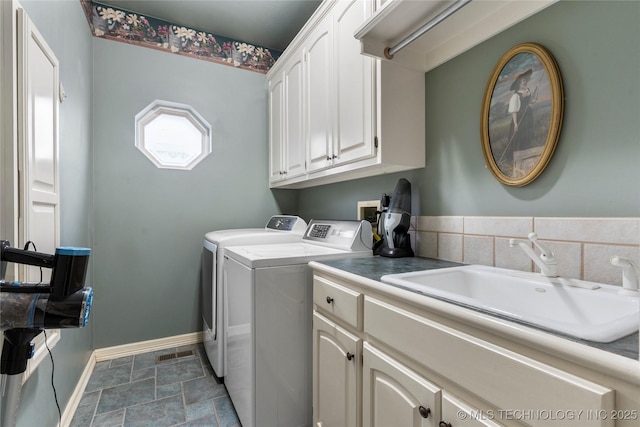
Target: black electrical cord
26,248
55,395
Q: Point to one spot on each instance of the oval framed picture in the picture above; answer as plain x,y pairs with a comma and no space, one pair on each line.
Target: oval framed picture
522,114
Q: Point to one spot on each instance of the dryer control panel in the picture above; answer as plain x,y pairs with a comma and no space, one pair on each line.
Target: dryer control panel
286,223
348,235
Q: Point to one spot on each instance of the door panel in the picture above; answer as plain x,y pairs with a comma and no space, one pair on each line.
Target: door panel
354,75
319,97
393,394
336,355
295,152
276,128
37,143
38,197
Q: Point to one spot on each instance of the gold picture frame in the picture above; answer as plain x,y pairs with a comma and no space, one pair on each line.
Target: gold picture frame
520,124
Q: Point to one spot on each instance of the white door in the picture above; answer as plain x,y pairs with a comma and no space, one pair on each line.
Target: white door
39,190
29,143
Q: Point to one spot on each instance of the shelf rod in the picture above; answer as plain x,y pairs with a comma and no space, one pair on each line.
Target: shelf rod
459,4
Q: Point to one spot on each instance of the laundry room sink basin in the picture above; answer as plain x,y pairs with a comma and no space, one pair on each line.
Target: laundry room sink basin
585,310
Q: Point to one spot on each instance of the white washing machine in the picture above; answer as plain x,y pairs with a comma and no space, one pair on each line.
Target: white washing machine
269,321
279,229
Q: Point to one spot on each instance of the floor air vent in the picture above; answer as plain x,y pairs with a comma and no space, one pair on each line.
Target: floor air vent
178,355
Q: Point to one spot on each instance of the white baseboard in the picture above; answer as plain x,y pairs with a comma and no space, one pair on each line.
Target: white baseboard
109,353
74,401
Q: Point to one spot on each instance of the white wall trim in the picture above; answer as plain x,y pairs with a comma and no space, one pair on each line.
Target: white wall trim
40,351
76,396
109,353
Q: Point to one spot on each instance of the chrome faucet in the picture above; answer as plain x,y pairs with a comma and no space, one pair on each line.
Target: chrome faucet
546,260
630,275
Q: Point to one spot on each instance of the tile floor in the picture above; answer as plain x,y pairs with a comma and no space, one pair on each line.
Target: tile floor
140,391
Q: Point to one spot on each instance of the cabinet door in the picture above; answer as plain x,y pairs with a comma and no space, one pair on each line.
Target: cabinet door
276,127
457,413
294,152
318,58
336,358
354,83
393,394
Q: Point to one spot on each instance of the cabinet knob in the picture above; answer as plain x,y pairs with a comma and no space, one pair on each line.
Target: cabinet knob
350,357
424,411
329,300
334,157
328,157
444,424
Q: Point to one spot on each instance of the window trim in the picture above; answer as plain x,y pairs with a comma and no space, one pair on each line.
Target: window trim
157,109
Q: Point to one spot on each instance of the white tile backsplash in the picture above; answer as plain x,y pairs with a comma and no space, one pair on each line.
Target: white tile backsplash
597,267
427,244
498,226
582,246
508,257
595,230
443,224
478,250
450,247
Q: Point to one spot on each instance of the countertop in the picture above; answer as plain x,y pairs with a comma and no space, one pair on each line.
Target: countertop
377,266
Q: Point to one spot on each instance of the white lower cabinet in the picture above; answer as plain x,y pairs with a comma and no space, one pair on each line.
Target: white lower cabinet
393,394
456,412
380,361
336,374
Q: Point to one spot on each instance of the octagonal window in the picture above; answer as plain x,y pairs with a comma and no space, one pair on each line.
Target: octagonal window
172,135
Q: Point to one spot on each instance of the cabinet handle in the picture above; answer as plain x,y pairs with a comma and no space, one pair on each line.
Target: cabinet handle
329,300
444,424
350,357
334,157
424,411
328,158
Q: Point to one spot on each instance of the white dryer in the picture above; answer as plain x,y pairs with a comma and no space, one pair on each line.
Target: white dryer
269,321
279,229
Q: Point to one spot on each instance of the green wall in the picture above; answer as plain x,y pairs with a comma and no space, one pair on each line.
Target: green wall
145,225
150,222
595,170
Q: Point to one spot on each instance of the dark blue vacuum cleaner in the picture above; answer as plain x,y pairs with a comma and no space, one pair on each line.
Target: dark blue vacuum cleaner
26,309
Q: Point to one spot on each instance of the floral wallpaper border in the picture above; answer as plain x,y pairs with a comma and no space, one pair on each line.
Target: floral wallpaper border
130,27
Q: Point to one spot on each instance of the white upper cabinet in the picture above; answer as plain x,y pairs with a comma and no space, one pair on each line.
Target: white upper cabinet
286,138
348,131
318,62
354,85
294,148
276,127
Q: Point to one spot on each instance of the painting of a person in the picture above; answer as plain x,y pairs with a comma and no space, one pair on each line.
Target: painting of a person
521,129
522,114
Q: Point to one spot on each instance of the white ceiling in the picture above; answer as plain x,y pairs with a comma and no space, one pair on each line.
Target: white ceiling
267,23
